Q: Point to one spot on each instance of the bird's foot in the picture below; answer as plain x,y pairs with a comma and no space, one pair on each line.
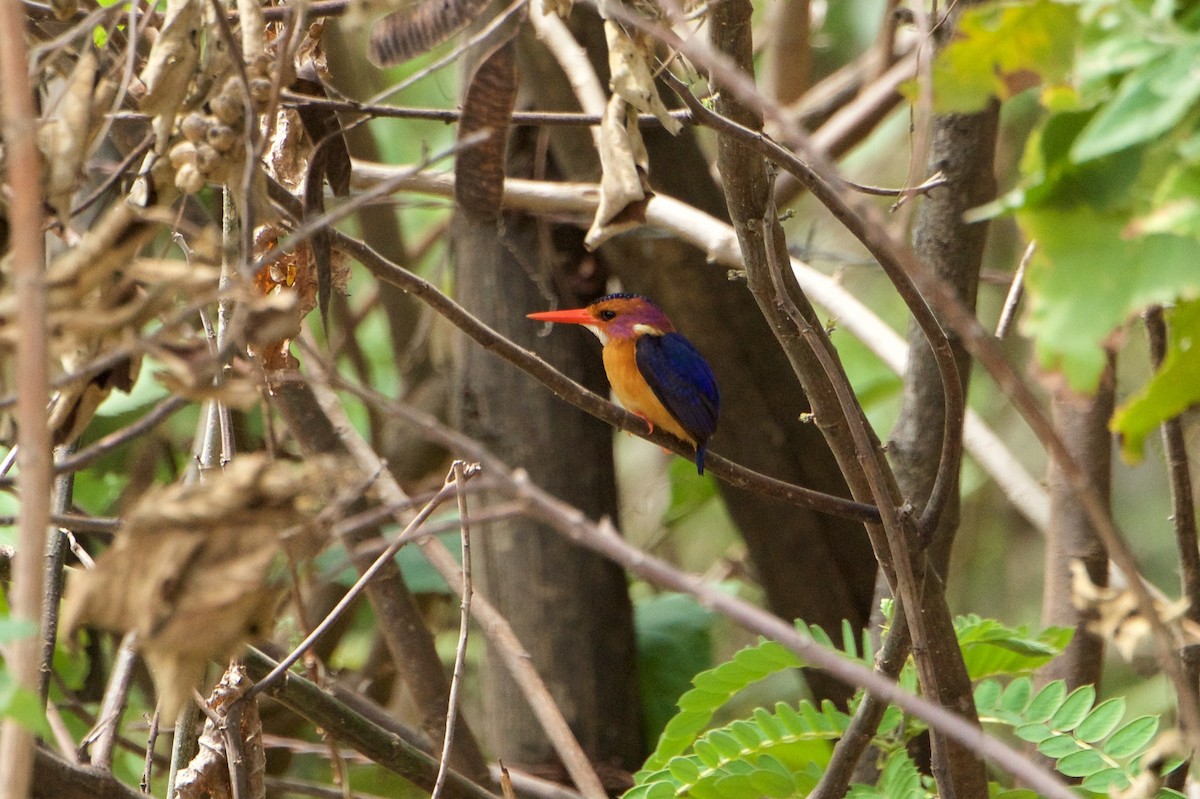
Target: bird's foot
646,419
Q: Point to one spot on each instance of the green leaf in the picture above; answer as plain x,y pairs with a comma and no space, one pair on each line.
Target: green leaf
1132,737
726,745
22,706
734,786
689,492
1016,695
989,647
1074,709
1103,719
1002,49
748,735
1047,702
713,688
659,789
1101,781
684,769
900,778
14,629
770,778
674,643
707,753
1150,101
1082,764
987,695
1034,733
1174,389
1087,277
1059,746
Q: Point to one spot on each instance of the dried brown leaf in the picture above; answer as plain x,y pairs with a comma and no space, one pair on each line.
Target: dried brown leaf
630,55
196,568
65,137
171,64
1116,617
487,107
624,189
404,34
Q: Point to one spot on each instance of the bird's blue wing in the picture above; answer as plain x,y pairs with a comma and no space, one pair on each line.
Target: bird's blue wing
683,382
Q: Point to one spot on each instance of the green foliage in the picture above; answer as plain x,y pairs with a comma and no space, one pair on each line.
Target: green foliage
674,643
710,690
1088,741
990,648
17,703
1174,389
1001,49
783,751
1110,177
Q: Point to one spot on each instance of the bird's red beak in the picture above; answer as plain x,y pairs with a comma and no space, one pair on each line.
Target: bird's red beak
576,316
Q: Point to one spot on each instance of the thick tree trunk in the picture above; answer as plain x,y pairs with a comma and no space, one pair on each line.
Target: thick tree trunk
963,149
568,606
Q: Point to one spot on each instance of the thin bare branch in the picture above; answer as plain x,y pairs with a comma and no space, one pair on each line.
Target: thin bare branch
461,472
410,532
34,481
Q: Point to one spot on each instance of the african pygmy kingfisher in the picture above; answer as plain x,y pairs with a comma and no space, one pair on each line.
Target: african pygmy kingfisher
655,372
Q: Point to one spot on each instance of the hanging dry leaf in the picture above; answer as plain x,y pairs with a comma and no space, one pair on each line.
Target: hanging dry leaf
207,776
65,136
630,55
624,186
100,297
404,34
171,65
1118,619
196,568
488,106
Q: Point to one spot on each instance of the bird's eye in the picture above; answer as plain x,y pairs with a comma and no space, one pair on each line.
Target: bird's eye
607,315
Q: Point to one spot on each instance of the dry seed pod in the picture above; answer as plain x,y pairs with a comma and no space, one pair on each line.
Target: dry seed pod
222,138
261,65
260,91
228,108
182,153
188,179
206,157
195,127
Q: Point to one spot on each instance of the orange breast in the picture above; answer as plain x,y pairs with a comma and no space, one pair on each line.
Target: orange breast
633,391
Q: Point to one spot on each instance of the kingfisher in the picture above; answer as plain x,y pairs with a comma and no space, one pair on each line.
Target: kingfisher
656,373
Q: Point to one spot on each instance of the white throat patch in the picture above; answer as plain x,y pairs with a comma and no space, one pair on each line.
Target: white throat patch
598,332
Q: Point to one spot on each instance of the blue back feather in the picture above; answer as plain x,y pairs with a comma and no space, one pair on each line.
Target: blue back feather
683,382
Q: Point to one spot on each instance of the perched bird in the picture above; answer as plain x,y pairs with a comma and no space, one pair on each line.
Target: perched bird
655,372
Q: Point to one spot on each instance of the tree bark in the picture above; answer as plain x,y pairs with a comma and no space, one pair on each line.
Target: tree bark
963,148
1083,424
569,607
